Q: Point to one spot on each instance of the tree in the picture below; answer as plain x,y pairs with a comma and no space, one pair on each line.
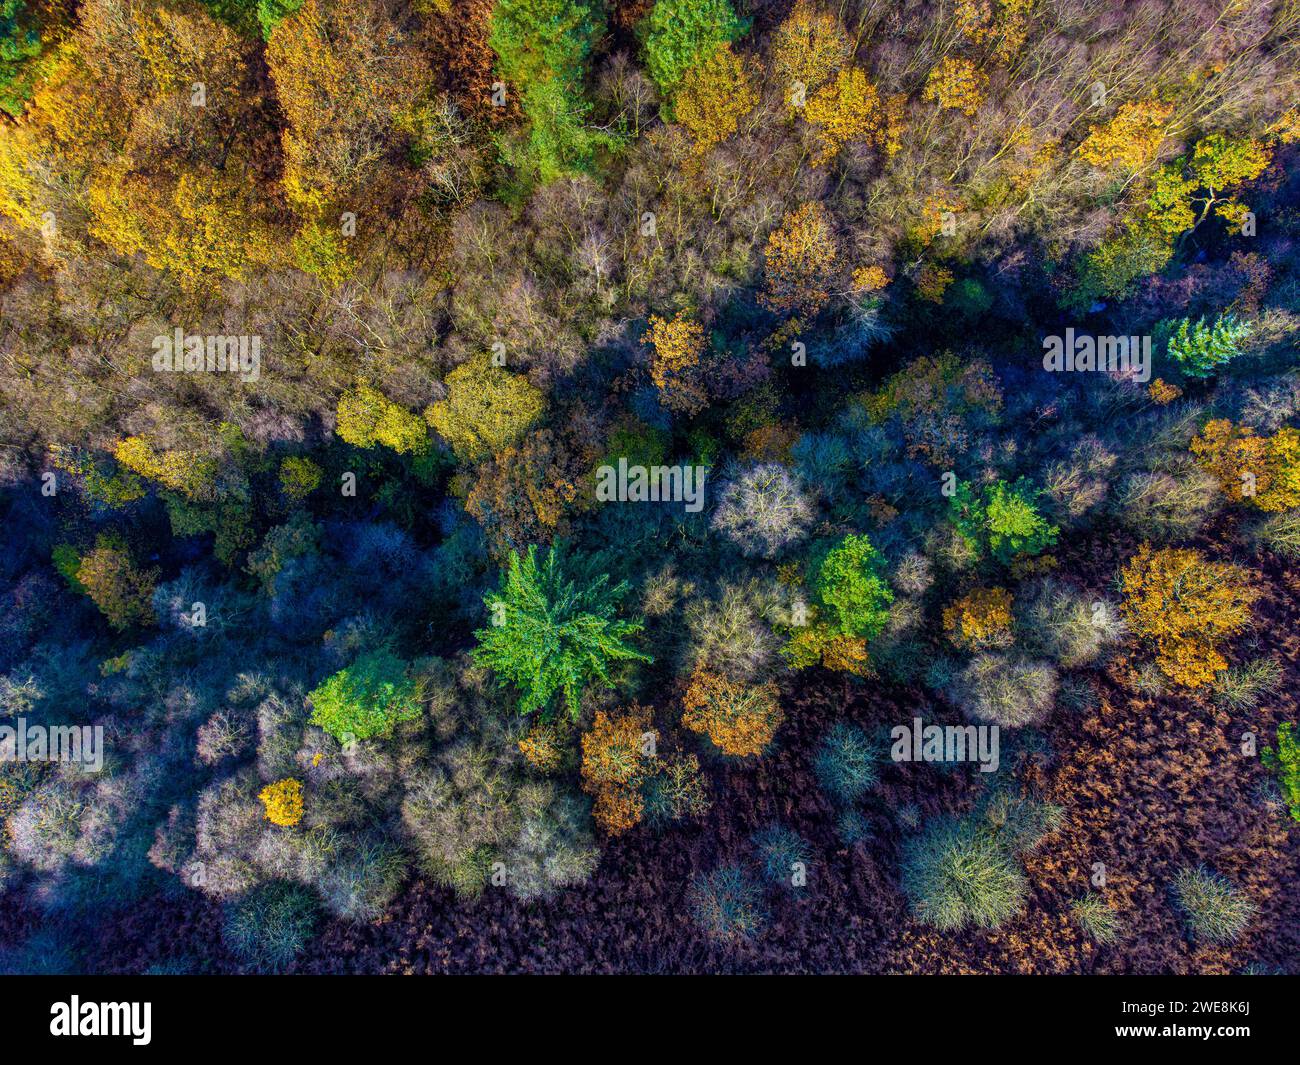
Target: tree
122,591
549,635
1002,519
679,34
1131,139
1187,605
367,417
542,48
487,409
844,110
715,96
678,346
1199,349
739,719
957,84
368,699
800,259
1261,470
808,48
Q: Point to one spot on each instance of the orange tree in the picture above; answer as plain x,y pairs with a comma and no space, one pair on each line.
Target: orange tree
1187,605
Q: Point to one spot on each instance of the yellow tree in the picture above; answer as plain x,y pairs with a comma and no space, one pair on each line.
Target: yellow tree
845,109
678,346
715,97
801,257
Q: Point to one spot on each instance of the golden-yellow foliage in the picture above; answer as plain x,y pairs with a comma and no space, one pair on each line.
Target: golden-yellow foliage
1187,605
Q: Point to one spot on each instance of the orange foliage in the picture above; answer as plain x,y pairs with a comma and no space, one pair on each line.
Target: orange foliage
740,720
1187,605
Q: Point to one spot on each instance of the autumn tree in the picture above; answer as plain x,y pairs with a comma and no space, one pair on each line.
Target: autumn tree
739,719
367,417
800,261
715,96
1187,605
678,346
1263,471
487,409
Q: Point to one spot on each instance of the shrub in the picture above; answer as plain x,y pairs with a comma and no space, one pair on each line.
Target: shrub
783,855
1284,760
270,926
1216,910
763,510
847,763
1242,687
1187,605
956,875
1009,690
1096,918
549,635
367,699
677,791
727,905
283,802
1281,534
739,719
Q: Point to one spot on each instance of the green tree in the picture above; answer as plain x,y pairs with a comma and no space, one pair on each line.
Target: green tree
548,635
1003,519
679,34
542,48
367,699
1284,760
1199,349
851,588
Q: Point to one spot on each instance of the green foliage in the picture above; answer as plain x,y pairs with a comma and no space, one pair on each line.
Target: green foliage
1199,350
847,763
367,699
269,927
1002,520
1284,760
271,12
957,874
549,635
1113,268
20,45
680,33
851,588
542,48
1217,911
